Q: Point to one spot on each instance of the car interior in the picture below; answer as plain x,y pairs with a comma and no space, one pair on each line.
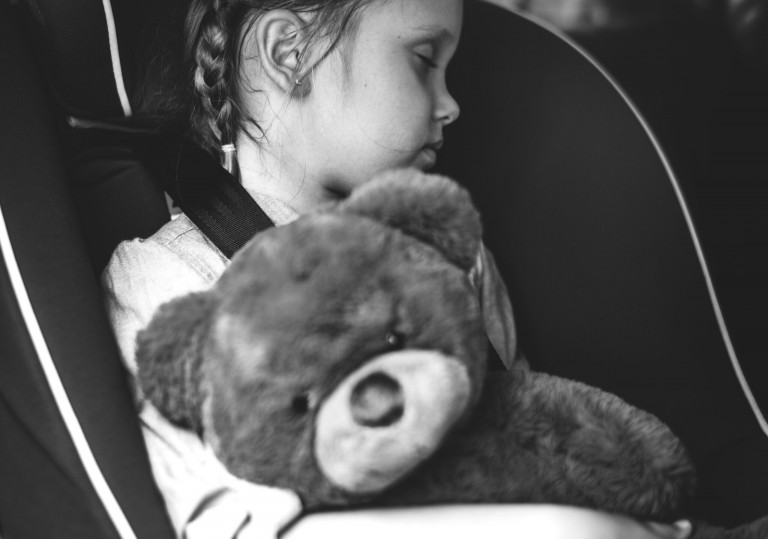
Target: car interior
580,206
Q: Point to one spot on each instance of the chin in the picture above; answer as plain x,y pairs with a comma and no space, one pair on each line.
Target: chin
427,167
426,159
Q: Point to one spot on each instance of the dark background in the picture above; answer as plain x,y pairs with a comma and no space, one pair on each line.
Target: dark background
697,70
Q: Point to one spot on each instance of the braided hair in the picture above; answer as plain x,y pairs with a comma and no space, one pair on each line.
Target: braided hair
214,32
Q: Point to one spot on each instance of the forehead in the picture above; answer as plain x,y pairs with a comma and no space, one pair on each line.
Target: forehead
405,18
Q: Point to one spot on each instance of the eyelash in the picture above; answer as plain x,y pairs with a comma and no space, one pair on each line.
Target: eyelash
427,61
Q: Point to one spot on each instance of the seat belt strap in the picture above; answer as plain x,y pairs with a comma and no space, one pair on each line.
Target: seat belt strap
209,195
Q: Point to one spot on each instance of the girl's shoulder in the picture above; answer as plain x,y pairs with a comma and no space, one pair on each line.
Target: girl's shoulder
178,247
142,274
181,236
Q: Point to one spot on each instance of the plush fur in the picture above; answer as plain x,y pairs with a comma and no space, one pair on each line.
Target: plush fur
343,356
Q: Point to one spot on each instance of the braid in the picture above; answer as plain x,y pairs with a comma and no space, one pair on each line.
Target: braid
211,93
214,115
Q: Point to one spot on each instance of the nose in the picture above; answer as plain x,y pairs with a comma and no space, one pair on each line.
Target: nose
447,110
377,401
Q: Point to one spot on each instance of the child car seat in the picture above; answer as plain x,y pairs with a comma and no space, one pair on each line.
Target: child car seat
72,462
580,210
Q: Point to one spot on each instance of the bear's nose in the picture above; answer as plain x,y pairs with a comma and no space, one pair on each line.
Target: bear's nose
377,401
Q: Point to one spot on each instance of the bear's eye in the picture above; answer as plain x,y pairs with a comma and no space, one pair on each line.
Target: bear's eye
300,404
395,340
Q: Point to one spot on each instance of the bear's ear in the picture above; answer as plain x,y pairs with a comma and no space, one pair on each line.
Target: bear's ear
431,208
169,355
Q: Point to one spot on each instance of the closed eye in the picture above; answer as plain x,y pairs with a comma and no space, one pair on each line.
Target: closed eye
429,62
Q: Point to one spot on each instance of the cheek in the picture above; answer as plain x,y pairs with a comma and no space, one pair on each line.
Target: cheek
392,129
390,108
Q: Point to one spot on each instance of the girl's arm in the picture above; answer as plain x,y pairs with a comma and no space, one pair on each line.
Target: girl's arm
141,276
482,521
202,499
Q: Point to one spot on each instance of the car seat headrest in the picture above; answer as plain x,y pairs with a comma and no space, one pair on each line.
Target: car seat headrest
95,53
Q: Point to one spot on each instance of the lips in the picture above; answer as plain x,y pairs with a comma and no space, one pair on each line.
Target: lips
427,158
428,154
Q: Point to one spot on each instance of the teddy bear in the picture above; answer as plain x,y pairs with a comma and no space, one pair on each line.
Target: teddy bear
343,356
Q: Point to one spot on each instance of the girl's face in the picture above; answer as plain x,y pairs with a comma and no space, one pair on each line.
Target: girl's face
380,100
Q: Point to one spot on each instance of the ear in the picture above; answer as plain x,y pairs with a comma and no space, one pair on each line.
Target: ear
279,44
497,309
169,356
431,208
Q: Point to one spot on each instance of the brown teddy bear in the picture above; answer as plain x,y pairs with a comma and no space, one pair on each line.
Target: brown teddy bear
343,356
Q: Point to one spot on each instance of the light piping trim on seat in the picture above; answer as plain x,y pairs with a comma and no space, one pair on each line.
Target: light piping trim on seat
117,68
688,219
59,392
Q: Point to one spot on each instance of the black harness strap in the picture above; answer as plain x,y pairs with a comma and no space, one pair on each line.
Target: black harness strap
216,202
209,195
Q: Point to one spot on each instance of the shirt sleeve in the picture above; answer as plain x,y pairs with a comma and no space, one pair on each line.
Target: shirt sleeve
141,276
202,499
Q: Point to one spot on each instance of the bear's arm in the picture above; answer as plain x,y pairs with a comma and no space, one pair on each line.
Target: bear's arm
536,438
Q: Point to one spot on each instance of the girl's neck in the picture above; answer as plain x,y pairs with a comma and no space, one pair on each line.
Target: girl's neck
275,173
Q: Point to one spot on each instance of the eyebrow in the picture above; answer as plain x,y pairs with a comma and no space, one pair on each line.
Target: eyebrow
435,32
